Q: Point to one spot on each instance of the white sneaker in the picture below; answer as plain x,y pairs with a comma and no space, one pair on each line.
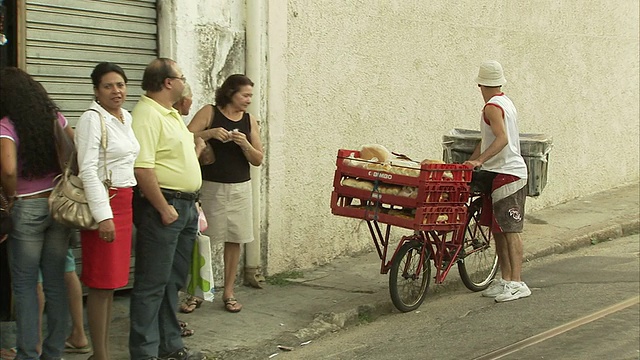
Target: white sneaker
496,288
514,290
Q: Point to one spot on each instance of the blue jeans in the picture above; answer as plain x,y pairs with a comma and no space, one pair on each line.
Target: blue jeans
163,257
38,242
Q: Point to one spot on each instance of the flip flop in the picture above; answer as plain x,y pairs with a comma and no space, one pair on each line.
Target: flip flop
8,354
184,332
232,305
190,304
72,349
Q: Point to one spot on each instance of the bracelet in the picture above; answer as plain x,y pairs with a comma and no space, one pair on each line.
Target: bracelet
247,149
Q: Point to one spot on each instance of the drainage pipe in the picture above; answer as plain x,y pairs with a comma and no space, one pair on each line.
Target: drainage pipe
254,31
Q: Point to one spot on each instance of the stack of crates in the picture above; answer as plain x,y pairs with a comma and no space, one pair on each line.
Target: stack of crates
439,204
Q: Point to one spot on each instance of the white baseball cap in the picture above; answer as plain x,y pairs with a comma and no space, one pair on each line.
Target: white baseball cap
491,74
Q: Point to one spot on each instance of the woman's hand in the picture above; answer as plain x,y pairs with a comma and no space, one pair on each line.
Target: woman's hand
240,139
220,134
107,230
200,145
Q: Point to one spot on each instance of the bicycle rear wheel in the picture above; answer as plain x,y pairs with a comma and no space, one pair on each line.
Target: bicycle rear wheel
478,262
407,285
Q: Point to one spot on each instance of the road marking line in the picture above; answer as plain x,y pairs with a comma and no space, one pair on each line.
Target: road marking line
510,349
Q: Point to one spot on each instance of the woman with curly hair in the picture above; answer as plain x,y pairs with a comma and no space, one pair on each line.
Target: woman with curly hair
28,167
234,135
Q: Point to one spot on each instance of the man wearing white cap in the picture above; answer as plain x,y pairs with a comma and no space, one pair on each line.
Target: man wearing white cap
504,176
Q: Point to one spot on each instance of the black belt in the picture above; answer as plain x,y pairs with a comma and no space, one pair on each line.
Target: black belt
175,194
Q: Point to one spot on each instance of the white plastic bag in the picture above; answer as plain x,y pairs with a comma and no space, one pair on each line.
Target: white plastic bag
200,278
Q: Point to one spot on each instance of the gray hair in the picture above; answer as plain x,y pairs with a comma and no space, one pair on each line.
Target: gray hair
186,93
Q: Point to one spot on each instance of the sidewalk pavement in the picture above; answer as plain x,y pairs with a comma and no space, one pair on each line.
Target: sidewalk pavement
291,311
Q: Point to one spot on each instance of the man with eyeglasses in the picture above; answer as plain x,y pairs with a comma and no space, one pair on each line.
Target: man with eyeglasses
165,214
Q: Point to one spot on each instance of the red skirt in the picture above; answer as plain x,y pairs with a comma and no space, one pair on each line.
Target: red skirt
105,265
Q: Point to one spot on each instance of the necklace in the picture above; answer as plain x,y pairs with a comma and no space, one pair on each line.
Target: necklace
119,116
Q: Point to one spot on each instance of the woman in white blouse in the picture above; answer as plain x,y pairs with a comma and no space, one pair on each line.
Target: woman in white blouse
106,251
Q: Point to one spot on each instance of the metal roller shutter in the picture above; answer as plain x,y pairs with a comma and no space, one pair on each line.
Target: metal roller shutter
65,39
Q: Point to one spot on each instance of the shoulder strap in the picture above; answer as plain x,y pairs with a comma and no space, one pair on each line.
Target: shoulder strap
213,115
103,145
65,149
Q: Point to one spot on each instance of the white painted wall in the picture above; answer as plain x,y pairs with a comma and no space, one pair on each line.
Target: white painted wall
400,73
340,74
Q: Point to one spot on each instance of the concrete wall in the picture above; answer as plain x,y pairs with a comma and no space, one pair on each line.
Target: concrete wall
400,73
339,74
207,39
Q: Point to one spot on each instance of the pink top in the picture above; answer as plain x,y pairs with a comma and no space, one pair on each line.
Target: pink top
25,187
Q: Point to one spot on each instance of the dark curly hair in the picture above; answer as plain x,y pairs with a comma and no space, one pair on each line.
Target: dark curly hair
230,87
32,112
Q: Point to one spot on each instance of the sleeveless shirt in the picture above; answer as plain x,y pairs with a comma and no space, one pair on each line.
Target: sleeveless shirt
231,166
508,160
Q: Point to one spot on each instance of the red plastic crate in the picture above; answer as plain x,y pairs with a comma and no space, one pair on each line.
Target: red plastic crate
426,217
433,181
443,194
456,217
373,196
445,173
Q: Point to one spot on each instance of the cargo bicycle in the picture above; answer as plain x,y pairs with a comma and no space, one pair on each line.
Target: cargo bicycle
433,200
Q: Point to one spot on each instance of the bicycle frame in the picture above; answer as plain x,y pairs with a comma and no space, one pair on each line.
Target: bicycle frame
444,247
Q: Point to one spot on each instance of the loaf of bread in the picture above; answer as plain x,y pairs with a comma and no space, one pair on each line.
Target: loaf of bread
409,191
357,184
389,189
404,167
375,152
378,167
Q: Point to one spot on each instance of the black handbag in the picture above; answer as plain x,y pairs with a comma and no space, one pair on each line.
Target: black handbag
6,224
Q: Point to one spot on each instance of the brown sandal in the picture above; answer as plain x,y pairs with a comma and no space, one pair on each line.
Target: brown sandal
190,304
232,305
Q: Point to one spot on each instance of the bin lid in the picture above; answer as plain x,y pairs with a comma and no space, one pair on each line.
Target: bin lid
530,143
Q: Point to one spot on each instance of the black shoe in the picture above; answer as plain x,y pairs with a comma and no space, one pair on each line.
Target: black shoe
185,354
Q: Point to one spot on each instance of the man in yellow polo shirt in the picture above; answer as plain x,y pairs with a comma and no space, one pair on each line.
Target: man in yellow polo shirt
165,215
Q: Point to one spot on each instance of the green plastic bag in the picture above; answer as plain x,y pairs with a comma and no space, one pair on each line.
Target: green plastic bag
200,278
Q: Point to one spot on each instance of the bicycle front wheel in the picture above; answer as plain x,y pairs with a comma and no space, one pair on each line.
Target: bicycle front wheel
478,262
409,276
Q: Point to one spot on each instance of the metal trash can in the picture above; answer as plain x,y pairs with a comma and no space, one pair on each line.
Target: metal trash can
459,144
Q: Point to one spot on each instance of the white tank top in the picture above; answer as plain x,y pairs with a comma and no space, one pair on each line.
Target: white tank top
508,160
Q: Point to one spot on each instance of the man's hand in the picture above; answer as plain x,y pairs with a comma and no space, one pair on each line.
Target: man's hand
107,230
169,215
473,163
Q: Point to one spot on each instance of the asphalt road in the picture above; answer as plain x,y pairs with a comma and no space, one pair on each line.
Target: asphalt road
578,291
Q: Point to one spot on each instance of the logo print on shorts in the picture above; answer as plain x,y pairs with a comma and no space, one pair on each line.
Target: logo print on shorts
515,214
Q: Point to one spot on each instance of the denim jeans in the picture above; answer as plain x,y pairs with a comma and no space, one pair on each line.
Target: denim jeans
38,242
163,257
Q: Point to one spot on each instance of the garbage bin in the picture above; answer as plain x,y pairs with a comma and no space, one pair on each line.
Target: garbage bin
459,144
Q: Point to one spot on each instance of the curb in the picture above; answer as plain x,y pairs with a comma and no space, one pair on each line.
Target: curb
324,323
